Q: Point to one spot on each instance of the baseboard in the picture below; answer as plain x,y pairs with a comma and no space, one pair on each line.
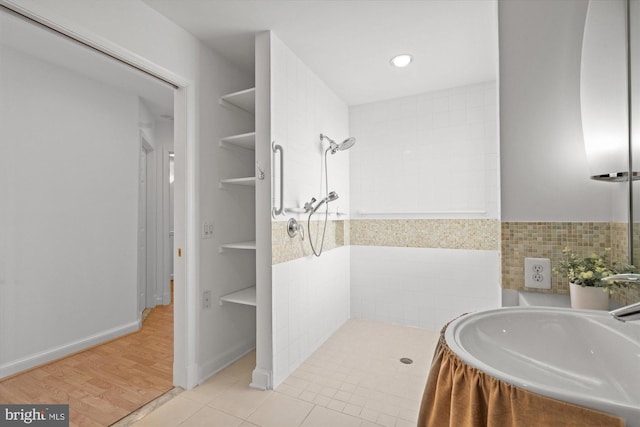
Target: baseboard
261,379
215,365
17,366
166,299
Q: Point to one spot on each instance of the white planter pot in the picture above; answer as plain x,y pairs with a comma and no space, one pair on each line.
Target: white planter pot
588,297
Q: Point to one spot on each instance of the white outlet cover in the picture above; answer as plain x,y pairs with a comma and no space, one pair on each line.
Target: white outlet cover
537,273
206,299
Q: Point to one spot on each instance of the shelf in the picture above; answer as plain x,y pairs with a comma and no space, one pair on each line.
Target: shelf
244,100
303,211
247,182
245,297
245,140
295,210
465,212
251,245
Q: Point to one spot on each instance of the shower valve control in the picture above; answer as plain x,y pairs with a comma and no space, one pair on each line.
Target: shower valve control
537,273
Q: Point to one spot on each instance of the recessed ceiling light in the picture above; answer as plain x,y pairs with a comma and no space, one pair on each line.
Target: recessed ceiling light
401,61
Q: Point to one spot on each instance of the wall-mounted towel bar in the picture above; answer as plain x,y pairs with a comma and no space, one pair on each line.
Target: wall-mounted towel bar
461,212
275,147
295,210
304,211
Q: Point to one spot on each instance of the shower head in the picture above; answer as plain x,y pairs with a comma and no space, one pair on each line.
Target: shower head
347,143
334,147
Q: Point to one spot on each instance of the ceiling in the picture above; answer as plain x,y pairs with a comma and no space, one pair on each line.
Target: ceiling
348,43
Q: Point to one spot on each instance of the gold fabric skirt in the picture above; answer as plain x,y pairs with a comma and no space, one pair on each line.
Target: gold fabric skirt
458,395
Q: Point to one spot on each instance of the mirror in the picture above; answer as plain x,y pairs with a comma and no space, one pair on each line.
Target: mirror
634,189
610,105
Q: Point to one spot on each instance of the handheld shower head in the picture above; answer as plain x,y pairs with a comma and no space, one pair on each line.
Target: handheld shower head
330,198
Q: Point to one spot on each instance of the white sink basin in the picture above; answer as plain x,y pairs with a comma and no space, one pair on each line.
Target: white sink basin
583,357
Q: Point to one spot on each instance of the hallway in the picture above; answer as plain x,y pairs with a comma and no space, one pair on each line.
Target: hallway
107,382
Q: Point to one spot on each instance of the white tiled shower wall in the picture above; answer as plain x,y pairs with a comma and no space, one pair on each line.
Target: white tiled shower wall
311,301
422,287
432,155
310,295
436,151
302,108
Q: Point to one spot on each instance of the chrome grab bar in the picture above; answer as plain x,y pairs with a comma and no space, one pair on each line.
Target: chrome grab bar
275,147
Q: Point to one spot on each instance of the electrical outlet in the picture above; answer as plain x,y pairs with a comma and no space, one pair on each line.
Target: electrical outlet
537,273
207,229
206,299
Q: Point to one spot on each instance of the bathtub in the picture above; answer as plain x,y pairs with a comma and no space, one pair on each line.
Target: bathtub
583,358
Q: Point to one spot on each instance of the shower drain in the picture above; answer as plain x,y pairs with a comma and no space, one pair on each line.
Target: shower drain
406,361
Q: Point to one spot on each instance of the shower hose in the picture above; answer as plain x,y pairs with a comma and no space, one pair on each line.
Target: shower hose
326,211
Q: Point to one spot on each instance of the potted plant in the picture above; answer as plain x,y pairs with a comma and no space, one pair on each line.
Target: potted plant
586,287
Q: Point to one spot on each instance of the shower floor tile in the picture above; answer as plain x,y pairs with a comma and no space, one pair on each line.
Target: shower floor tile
354,379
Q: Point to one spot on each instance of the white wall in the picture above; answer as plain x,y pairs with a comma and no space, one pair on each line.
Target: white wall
545,176
435,151
310,295
69,213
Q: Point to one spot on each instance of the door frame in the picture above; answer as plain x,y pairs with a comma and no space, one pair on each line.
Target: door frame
150,298
185,367
166,252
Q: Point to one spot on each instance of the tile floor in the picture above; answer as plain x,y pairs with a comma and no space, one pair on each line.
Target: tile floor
354,379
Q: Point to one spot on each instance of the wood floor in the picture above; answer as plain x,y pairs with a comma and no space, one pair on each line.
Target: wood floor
105,383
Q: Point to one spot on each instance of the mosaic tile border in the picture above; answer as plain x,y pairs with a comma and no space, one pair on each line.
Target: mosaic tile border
546,240
474,234
514,241
285,248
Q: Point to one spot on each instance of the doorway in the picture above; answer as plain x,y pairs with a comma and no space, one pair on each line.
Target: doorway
87,224
185,230
155,218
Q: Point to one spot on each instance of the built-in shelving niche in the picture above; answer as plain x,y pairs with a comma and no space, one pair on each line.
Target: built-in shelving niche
245,296
249,181
249,245
243,140
245,101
